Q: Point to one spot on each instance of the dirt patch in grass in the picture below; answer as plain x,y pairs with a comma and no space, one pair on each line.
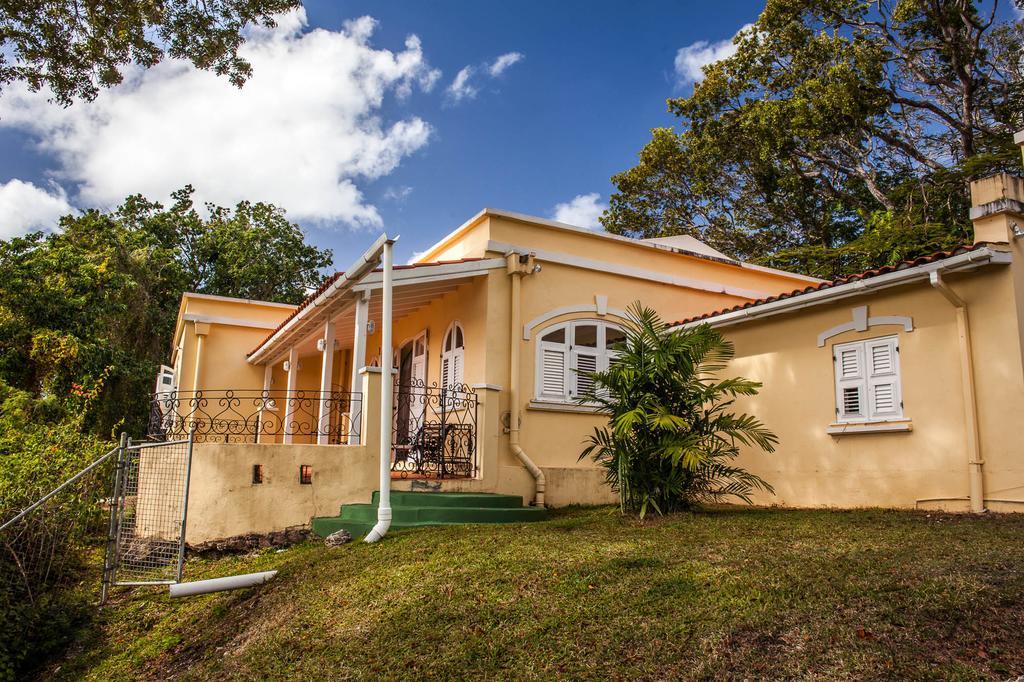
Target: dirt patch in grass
733,593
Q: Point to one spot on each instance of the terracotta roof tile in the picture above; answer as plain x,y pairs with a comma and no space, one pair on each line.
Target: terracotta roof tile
867,274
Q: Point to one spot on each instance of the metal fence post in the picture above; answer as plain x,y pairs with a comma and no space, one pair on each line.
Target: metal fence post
184,504
110,557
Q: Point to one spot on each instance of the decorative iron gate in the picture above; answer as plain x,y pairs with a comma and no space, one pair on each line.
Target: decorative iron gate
434,430
146,543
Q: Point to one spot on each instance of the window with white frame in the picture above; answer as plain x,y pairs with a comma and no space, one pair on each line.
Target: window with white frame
567,352
453,356
868,380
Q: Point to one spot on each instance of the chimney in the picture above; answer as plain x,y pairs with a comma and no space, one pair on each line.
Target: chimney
997,205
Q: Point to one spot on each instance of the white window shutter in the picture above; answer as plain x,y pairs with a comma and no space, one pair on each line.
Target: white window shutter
457,365
554,367
850,382
868,380
584,362
446,364
883,379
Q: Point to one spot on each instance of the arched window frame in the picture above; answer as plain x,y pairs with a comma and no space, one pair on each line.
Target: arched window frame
453,356
561,366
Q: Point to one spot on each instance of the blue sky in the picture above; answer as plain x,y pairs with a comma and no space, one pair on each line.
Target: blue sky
553,126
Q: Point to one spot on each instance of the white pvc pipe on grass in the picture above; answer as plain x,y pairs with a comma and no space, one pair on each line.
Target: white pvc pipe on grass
234,582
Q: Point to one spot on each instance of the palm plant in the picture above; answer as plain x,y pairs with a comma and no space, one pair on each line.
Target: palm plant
671,438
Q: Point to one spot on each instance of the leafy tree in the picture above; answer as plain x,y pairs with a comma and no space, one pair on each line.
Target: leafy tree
840,132
92,307
670,436
75,48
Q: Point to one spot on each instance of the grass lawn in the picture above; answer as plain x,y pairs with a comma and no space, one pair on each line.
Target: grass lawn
730,592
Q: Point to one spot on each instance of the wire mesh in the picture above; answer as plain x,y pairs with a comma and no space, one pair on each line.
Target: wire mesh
151,507
56,542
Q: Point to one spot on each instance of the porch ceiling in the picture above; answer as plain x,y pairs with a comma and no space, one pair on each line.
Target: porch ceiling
414,288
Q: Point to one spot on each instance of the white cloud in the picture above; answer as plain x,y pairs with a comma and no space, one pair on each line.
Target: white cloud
583,211
24,207
397,194
461,87
301,133
498,66
691,60
416,255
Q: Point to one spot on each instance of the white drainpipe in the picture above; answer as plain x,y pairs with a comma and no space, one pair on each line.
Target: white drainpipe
517,271
386,394
974,461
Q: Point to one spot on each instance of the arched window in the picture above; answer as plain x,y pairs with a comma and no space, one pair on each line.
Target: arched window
566,352
453,356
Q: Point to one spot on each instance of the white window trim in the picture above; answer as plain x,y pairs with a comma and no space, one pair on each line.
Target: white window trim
866,384
599,308
544,400
861,322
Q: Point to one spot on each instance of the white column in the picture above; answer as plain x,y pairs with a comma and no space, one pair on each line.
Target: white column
326,374
358,360
289,398
386,396
201,330
268,373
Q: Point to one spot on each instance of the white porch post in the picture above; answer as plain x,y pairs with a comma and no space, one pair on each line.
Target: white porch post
358,360
326,374
386,396
289,398
268,373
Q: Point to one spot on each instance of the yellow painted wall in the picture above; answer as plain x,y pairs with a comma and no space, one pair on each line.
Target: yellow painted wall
813,468
223,501
468,305
471,242
596,246
223,364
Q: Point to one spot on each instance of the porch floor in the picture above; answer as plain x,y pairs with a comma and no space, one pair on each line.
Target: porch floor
399,476
416,509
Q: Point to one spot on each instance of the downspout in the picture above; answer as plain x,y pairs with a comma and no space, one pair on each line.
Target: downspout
386,394
516,269
974,461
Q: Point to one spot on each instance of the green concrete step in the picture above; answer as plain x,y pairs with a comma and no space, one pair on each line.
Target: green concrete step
405,498
418,509
401,514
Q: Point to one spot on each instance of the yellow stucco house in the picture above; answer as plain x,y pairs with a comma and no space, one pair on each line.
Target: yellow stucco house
897,387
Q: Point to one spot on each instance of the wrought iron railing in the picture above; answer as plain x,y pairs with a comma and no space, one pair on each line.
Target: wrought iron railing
434,431
231,416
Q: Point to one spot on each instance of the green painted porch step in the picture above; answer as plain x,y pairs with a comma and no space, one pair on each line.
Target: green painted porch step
417,509
406,498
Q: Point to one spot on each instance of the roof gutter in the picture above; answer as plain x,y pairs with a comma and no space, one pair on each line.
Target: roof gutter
351,276
965,261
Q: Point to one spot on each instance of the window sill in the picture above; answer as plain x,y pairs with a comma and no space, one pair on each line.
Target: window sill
555,406
851,428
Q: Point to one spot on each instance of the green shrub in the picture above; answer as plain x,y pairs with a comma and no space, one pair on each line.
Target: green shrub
46,584
670,436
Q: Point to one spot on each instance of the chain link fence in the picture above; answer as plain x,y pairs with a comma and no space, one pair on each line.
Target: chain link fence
148,523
